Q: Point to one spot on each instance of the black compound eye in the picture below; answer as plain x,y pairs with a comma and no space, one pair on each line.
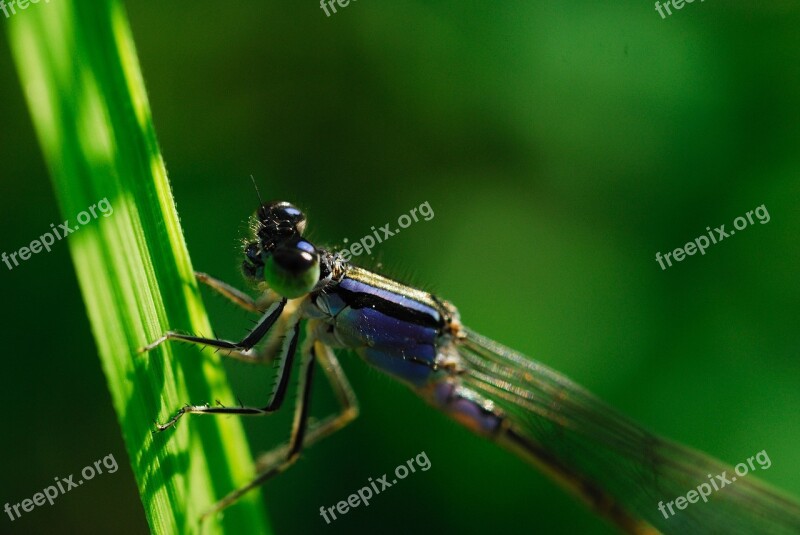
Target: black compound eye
253,265
252,253
295,255
292,269
279,219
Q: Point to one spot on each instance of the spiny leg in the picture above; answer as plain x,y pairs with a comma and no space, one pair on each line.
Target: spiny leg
296,438
254,336
327,426
272,345
265,354
341,389
233,294
303,434
285,360
243,300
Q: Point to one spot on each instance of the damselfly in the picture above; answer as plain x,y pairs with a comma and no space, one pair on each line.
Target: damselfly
617,468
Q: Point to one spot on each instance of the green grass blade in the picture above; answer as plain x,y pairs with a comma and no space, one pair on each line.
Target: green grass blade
82,81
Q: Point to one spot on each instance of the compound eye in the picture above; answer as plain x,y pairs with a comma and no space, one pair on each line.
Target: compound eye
292,270
252,266
280,219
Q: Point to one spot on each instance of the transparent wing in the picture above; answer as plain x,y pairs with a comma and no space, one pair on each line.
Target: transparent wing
603,455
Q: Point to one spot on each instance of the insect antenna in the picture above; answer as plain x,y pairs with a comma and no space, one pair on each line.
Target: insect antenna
257,192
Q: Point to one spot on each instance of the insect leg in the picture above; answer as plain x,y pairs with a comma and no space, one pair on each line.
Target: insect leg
303,435
327,426
285,361
263,326
233,294
341,389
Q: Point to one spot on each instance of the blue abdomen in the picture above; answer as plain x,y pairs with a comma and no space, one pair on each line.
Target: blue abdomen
392,326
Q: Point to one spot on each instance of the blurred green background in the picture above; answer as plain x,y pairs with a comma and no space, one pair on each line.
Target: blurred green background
560,147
